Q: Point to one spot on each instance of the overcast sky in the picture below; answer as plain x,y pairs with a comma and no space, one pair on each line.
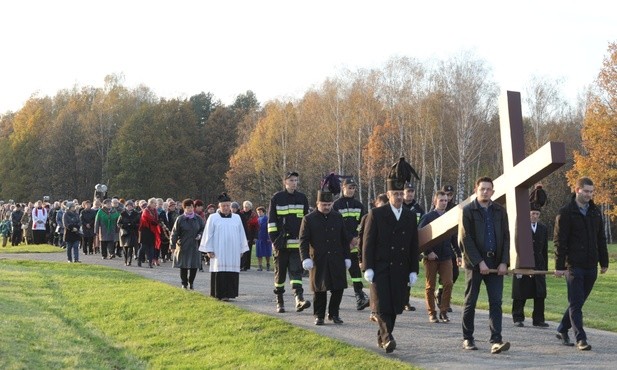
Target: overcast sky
280,49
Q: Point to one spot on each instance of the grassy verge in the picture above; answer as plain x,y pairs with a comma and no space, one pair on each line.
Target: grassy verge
84,316
598,310
39,248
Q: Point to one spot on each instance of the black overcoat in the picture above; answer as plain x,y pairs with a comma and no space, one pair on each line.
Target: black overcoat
534,286
324,240
129,225
390,249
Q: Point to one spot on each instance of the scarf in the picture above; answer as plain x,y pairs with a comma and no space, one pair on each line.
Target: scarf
189,215
149,220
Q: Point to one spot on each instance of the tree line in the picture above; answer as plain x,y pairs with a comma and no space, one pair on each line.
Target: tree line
441,115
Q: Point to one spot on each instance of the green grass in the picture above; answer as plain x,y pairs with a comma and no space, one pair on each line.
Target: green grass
39,248
598,310
79,316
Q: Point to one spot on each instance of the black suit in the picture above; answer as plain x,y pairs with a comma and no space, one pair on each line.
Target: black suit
533,286
390,249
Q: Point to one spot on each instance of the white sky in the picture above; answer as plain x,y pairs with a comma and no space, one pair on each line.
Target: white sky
280,49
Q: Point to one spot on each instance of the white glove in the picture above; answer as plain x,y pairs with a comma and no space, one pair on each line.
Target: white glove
519,276
368,275
413,277
347,263
307,264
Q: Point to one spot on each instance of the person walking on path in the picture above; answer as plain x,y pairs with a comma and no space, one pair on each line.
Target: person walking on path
390,256
185,238
484,238
580,245
324,250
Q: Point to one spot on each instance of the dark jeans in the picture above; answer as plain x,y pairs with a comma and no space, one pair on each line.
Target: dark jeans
494,289
518,310
319,305
580,283
284,260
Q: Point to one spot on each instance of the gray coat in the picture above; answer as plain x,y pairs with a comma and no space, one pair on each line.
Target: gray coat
184,239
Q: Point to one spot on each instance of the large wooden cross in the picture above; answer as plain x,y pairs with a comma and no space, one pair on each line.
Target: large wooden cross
511,188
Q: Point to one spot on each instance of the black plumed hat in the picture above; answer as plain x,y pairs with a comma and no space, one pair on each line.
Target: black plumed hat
400,173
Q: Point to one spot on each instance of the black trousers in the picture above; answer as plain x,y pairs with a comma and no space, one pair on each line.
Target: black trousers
128,254
16,237
287,260
87,244
107,248
188,276
245,262
355,273
386,327
319,305
518,310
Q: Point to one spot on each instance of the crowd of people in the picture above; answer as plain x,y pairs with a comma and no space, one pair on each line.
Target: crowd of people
338,236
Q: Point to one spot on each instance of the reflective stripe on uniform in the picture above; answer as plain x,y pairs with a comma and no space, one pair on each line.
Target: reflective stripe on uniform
293,243
279,285
356,280
272,227
354,250
292,282
351,213
290,209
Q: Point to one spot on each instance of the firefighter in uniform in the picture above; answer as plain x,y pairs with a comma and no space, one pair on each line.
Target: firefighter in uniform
287,208
352,211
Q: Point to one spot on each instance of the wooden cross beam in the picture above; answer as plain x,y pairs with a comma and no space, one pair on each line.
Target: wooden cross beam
511,188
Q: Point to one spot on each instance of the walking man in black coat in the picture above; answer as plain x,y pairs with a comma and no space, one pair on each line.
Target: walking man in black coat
324,250
390,259
580,244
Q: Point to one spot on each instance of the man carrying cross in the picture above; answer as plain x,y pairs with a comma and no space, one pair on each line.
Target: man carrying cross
484,238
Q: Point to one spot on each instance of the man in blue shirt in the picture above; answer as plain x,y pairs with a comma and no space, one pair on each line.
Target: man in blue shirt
484,239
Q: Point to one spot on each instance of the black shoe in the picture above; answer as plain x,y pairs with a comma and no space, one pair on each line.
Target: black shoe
432,318
319,321
335,319
519,324
583,346
541,324
565,339
138,263
469,344
301,304
443,317
362,301
409,307
183,286
449,309
390,346
191,286
500,347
